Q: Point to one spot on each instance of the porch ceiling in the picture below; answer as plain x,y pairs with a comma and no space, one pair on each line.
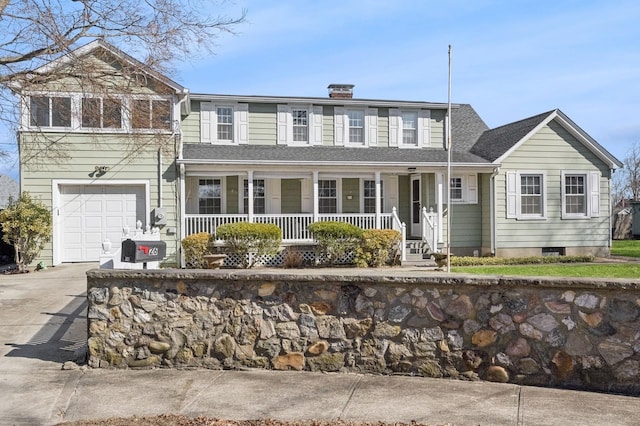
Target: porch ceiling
248,154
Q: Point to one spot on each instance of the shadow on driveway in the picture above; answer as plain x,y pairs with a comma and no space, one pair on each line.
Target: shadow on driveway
60,337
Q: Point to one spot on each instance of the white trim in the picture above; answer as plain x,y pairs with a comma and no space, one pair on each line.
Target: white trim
55,206
514,195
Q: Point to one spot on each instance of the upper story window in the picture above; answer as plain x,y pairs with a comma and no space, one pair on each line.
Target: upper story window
526,195
409,128
101,113
150,114
49,111
78,112
355,127
224,123
300,125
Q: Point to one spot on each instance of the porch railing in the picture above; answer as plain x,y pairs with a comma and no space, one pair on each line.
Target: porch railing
293,226
398,225
430,229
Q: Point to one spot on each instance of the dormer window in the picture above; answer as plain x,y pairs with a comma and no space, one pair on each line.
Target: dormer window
49,111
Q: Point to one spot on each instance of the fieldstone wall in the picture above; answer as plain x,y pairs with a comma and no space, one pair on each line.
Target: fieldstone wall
551,332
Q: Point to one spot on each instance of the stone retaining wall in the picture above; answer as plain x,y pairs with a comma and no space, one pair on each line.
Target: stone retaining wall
552,332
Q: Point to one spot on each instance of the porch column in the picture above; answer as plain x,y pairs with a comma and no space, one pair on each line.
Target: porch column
250,195
316,207
440,196
378,202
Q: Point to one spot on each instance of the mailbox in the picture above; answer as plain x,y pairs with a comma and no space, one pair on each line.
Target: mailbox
143,251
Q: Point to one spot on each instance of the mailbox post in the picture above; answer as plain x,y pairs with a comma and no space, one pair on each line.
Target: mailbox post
134,251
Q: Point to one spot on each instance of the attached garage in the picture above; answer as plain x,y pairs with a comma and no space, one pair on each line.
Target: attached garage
87,214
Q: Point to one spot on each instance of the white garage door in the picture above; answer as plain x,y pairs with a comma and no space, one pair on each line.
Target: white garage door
91,213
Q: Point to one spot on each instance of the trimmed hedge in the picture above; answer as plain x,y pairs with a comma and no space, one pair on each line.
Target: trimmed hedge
195,246
531,260
250,240
377,247
334,240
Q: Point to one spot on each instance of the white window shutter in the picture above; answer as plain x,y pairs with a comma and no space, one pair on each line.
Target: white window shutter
316,124
512,195
472,189
241,117
594,194
206,115
284,124
371,115
339,125
395,121
424,116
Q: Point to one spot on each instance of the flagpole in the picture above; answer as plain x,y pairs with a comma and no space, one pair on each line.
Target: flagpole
448,186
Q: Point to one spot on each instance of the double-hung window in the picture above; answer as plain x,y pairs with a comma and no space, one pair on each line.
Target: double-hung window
456,189
209,196
258,196
580,194
356,127
300,118
369,196
327,196
526,195
48,111
409,128
225,123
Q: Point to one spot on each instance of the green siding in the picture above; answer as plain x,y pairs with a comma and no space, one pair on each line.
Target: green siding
190,124
262,124
328,134
351,187
484,181
89,151
437,128
291,196
233,189
556,150
404,199
383,127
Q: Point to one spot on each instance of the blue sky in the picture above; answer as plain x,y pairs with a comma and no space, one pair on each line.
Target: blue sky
511,59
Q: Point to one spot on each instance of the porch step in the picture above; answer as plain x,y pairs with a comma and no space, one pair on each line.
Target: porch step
418,254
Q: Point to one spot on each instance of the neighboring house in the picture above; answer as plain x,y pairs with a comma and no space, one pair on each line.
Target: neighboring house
9,188
540,185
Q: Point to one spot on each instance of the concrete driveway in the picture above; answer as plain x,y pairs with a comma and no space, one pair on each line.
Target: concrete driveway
42,323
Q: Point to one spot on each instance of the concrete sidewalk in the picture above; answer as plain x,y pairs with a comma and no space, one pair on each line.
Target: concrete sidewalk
42,322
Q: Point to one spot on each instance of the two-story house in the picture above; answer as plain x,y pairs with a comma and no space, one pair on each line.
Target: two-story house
199,160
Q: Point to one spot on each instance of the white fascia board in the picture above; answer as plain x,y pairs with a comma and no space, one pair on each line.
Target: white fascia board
319,101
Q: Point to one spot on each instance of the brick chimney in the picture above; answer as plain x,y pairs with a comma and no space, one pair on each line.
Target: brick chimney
341,91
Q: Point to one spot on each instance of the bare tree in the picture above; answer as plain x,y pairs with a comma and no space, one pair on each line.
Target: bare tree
631,174
159,33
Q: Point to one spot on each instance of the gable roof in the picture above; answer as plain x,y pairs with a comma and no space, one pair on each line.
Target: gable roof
99,44
496,144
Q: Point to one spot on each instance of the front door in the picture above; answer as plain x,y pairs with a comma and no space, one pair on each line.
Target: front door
416,205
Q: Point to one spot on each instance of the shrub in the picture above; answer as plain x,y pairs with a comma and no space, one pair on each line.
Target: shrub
250,240
195,246
491,261
376,247
334,240
27,225
292,259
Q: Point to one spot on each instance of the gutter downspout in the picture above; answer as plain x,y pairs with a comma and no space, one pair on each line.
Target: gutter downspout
610,212
492,206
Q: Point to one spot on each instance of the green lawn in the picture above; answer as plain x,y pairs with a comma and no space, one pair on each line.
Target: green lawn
602,270
627,248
